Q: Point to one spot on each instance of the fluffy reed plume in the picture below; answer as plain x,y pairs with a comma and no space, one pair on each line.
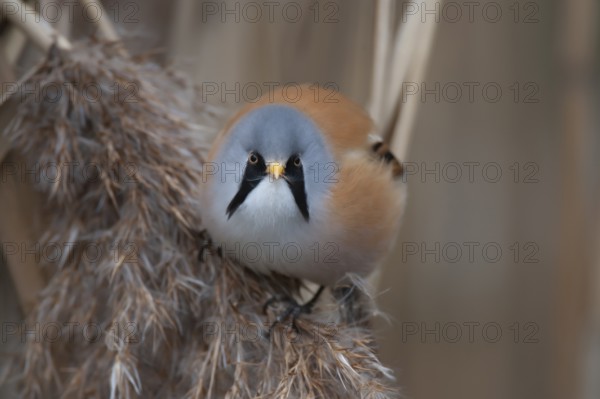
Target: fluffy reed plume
145,306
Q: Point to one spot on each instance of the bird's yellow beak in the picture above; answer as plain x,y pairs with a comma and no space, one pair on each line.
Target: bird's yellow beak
275,169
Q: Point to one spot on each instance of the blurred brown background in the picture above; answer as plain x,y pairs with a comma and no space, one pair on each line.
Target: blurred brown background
492,290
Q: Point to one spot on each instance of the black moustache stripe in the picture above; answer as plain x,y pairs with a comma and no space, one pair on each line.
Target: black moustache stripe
254,174
299,194
294,176
245,188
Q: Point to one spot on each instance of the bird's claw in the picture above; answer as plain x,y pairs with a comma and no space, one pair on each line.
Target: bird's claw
205,244
293,310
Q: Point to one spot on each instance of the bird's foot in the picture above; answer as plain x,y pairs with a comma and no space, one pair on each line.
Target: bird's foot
205,244
292,311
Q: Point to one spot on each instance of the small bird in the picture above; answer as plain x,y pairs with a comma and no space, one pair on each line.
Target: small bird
302,187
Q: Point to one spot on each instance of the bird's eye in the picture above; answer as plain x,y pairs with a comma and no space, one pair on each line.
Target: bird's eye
252,159
297,161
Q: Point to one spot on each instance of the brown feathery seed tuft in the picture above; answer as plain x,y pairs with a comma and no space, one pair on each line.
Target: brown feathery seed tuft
173,323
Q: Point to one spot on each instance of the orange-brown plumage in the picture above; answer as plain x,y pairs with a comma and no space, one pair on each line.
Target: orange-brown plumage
358,209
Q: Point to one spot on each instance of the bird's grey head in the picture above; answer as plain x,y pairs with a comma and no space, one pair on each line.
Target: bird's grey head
271,144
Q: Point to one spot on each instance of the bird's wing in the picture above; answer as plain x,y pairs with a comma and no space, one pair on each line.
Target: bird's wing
368,205
382,151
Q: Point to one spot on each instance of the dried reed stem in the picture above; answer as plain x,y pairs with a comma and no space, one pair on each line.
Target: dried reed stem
103,23
384,17
422,35
38,30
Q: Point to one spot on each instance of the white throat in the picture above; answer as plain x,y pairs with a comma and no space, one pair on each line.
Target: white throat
268,210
